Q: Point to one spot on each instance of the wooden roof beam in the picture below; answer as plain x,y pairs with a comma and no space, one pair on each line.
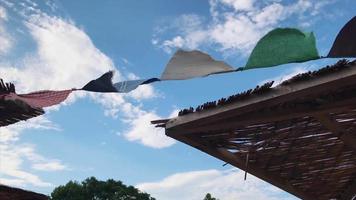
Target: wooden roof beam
279,94
258,117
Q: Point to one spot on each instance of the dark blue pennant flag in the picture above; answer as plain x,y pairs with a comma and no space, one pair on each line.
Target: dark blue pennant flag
104,84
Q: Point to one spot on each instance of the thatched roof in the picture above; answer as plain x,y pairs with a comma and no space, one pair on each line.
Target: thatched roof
298,136
10,193
14,110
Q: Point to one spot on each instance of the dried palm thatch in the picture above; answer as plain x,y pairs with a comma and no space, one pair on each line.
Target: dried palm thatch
299,136
14,110
10,193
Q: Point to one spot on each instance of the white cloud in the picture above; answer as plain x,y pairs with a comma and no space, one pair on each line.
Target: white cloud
236,29
53,165
12,181
51,5
222,184
270,15
3,14
39,162
143,92
64,54
6,40
191,34
112,103
231,35
11,133
144,132
67,58
139,121
177,41
319,6
64,57
13,154
245,5
7,3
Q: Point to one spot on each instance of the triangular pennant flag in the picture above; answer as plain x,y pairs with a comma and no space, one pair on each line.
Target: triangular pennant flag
41,99
104,84
192,64
101,84
127,86
345,42
281,46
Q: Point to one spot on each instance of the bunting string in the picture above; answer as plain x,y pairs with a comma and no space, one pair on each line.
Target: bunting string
277,47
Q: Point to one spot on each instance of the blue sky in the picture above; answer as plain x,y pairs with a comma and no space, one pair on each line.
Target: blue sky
64,44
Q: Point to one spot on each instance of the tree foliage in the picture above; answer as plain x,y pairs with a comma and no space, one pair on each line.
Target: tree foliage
93,189
209,197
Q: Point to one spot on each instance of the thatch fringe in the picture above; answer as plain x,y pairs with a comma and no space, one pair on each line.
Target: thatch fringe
6,87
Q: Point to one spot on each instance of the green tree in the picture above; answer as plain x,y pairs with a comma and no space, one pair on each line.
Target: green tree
93,189
209,197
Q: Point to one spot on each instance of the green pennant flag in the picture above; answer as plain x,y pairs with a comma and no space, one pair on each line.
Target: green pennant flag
281,46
